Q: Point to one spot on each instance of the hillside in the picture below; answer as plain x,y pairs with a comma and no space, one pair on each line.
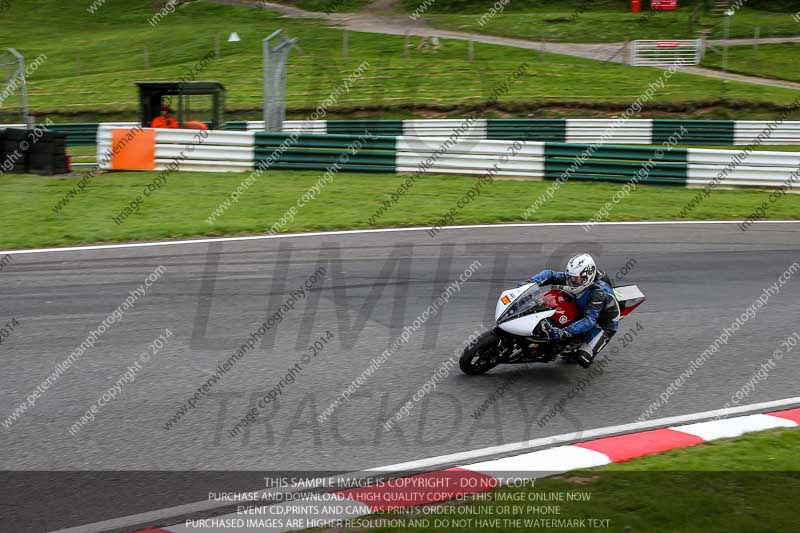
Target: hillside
90,61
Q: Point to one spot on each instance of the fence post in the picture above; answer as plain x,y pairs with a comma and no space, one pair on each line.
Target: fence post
471,51
541,51
758,32
344,44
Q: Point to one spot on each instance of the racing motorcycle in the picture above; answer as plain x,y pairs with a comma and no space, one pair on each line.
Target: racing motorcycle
524,317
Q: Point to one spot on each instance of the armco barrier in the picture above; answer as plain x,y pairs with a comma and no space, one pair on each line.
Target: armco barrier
607,131
246,150
83,134
197,150
614,131
758,169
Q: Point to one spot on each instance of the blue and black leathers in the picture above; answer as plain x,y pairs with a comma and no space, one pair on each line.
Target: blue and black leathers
597,304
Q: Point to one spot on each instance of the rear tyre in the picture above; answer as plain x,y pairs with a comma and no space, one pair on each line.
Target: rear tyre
481,355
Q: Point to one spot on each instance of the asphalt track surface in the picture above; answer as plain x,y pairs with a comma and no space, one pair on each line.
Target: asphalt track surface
698,278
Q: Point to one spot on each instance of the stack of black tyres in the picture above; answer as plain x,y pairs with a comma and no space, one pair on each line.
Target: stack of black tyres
35,151
48,154
13,159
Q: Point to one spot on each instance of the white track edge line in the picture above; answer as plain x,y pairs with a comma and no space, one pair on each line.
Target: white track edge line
377,230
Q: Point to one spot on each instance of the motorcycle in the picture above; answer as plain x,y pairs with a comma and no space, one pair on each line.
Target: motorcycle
524,317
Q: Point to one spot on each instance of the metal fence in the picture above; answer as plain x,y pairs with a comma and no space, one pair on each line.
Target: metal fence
666,53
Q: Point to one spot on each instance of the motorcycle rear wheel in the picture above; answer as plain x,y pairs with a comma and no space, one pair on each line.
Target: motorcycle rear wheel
481,355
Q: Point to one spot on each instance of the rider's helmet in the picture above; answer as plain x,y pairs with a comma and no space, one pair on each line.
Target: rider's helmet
581,272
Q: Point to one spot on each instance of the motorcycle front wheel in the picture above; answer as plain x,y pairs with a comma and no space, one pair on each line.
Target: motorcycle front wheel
481,355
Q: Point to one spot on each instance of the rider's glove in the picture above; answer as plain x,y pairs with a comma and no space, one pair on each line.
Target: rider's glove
558,334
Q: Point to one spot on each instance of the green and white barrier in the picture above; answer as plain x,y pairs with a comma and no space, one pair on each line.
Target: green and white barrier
232,151
607,131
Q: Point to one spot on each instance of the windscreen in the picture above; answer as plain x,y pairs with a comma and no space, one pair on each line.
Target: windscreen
531,301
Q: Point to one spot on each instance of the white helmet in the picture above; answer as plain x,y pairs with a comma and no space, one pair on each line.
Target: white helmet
581,271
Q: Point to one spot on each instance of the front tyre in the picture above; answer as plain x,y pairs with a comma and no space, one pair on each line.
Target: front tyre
480,355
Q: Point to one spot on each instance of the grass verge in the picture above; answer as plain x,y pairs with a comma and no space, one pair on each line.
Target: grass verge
181,207
777,61
740,485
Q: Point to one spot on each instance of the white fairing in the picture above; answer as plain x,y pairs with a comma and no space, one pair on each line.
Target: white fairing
519,326
523,326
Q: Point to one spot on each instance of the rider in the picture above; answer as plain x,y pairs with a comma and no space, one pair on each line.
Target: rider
595,300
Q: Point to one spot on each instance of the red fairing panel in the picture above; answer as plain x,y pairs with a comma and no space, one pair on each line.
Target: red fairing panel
566,310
